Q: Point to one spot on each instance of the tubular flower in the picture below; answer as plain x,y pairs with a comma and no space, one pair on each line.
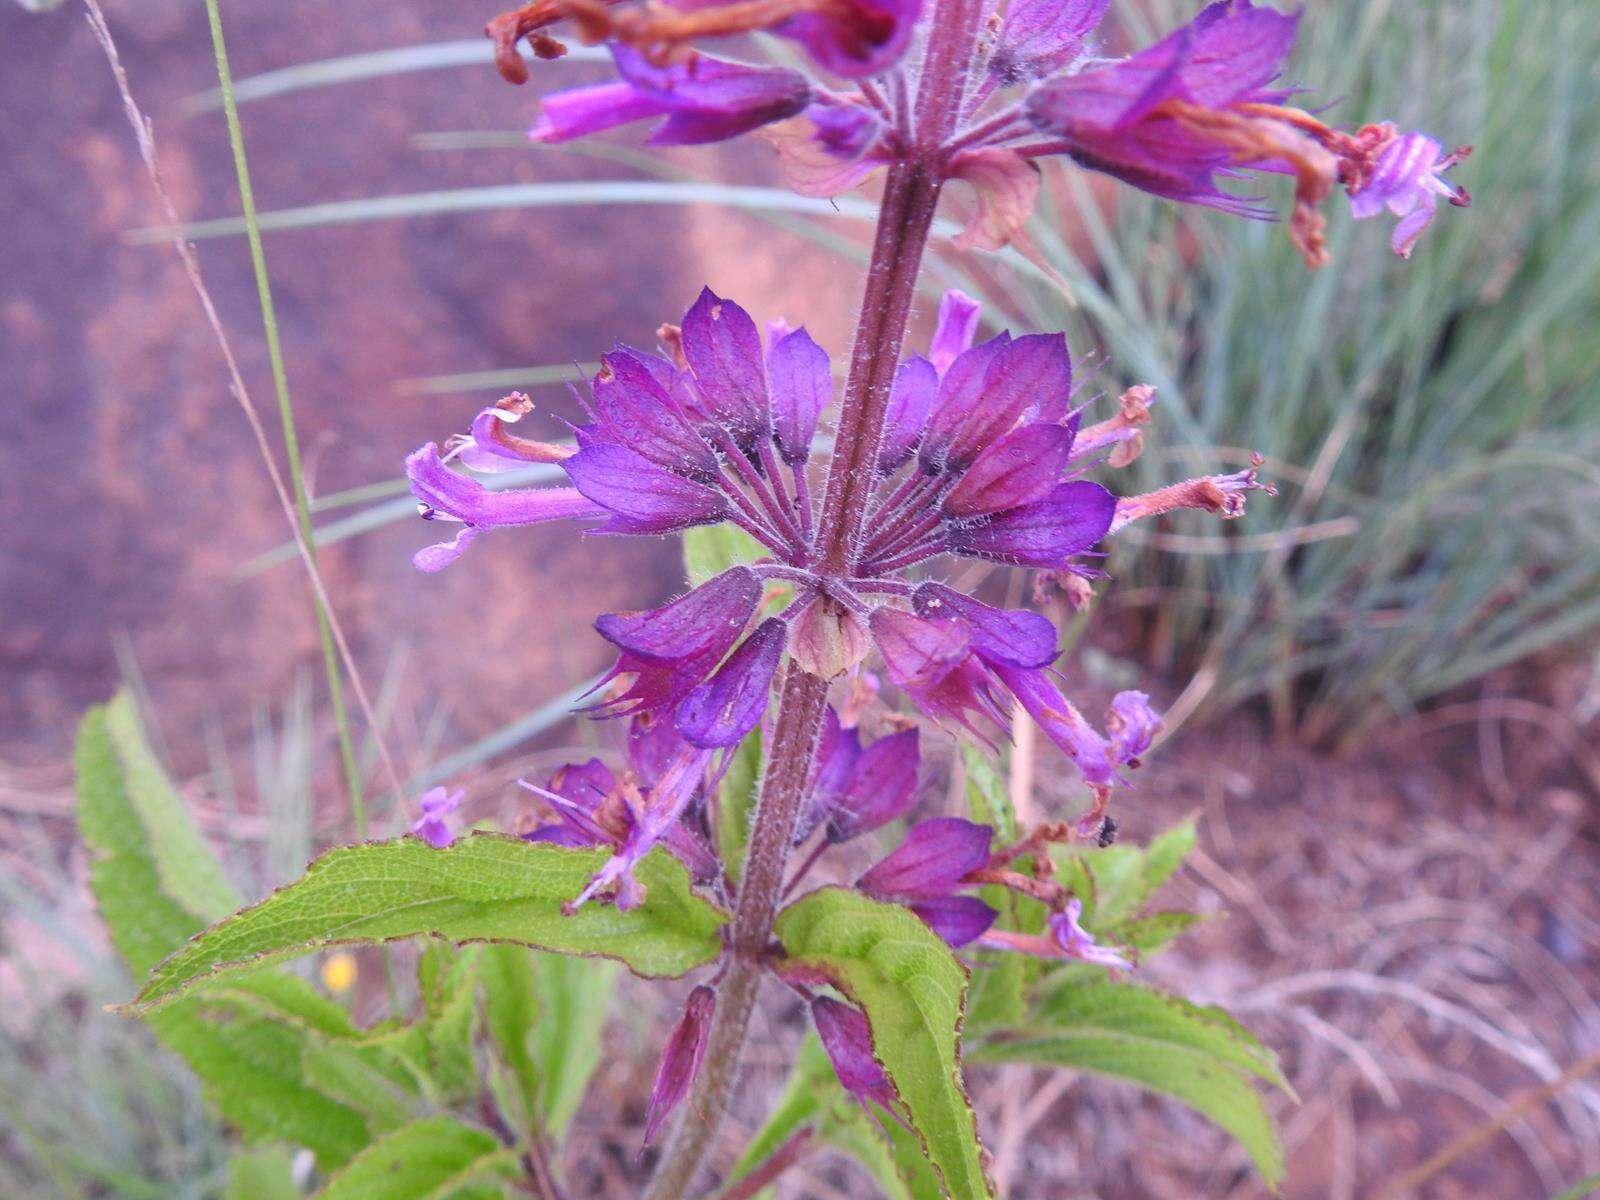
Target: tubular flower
1202,104
927,870
702,100
647,805
980,458
1065,939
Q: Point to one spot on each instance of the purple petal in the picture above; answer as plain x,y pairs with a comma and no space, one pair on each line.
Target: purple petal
446,493
847,1037
727,706
838,748
642,497
932,861
441,554
1041,37
1031,372
559,835
930,660
1236,50
1046,533
1077,942
958,324
634,410
956,919
578,112
917,650
680,1058
802,384
1063,724
723,347
437,806
961,392
882,785
1020,468
911,399
707,619
652,743
1011,636
1132,725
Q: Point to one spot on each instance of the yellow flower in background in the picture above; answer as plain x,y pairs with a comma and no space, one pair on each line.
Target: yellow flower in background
339,972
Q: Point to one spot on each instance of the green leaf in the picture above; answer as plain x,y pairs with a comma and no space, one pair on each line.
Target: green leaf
368,1079
486,887
911,988
145,919
709,550
736,802
244,1042
808,1092
1141,1012
426,1160
266,1173
1200,1056
510,1013
1115,881
575,996
1156,931
188,870
448,982
250,1068
988,799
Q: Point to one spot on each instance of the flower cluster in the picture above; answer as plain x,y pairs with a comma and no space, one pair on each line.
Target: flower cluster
1201,106
981,457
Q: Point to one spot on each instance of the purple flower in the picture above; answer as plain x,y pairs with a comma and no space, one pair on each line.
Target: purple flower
1066,939
1408,180
958,325
979,458
680,1059
1203,105
1132,725
446,495
433,826
847,1038
857,790
926,871
703,100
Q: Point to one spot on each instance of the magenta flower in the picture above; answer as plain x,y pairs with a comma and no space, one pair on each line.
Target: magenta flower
979,459
1203,105
856,790
680,1059
1408,180
433,826
702,100
928,868
1066,939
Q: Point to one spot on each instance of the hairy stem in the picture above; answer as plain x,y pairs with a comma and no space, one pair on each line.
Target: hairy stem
910,197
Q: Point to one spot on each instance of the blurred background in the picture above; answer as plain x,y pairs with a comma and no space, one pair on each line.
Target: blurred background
1385,680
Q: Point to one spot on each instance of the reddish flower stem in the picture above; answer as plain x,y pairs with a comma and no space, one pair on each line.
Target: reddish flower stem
910,197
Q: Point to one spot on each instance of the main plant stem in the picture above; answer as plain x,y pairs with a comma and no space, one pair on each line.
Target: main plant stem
910,197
